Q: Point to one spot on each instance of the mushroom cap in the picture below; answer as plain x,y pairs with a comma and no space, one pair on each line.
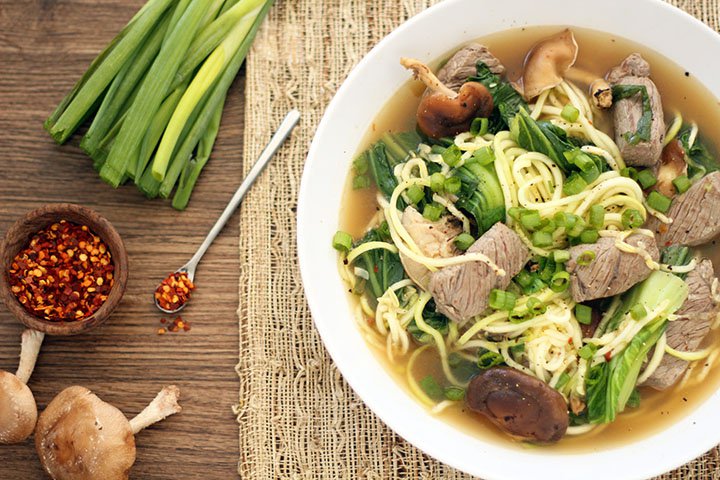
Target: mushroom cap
18,411
80,437
547,62
439,115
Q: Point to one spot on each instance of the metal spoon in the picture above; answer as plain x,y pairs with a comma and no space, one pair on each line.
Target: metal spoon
273,145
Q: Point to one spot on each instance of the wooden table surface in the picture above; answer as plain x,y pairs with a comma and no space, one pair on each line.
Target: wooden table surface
45,46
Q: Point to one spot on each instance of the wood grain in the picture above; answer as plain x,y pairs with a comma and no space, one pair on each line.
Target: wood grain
45,46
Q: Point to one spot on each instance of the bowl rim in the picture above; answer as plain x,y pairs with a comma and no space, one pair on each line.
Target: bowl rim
681,442
101,227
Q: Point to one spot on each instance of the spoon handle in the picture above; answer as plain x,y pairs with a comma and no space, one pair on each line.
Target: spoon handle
291,119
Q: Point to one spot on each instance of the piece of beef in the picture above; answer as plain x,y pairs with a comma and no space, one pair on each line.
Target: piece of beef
462,65
435,239
612,271
634,70
462,291
695,215
634,65
519,404
687,332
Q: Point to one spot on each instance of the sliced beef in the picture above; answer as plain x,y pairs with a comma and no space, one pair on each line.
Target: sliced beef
695,215
462,291
687,332
634,70
462,65
519,404
634,65
612,271
435,239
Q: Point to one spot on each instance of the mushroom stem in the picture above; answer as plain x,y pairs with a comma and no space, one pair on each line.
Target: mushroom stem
423,73
29,350
164,405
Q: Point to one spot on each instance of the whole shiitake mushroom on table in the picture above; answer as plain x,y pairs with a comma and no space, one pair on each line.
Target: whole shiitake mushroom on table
80,437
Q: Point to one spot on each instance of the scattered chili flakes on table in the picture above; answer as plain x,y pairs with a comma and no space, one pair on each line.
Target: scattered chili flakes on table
64,274
174,291
177,325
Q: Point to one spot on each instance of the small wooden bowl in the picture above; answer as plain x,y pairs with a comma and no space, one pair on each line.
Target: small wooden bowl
20,234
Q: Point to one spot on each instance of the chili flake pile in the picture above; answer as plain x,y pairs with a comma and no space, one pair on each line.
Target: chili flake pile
174,291
65,273
177,325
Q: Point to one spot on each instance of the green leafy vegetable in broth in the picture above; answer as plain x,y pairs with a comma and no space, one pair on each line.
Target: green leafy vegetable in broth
480,194
507,101
434,319
676,255
383,267
610,384
699,159
642,134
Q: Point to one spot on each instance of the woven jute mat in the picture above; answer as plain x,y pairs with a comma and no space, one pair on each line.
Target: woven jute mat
298,418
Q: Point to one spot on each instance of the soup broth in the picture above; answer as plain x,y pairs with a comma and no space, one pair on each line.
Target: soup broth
598,52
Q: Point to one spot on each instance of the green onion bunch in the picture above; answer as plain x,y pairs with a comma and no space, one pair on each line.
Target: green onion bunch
155,95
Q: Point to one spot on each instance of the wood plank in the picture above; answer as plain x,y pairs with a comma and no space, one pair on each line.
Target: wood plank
45,46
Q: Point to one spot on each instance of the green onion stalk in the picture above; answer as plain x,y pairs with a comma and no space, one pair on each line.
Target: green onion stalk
156,93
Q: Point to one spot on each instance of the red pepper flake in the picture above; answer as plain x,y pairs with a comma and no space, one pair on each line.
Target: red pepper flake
174,291
55,282
608,356
177,325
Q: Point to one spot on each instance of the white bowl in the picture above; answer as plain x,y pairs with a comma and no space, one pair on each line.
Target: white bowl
376,78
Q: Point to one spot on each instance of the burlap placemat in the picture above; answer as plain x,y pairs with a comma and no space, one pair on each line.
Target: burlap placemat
298,418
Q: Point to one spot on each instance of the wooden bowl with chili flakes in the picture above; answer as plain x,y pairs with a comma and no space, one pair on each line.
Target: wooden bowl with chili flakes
64,269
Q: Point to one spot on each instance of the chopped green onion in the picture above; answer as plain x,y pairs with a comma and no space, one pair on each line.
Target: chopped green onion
518,349
577,229
562,381
560,281
629,172
570,113
682,183
361,181
542,239
589,236
488,359
452,185
484,156
524,278
451,155
531,220
464,241
433,211
518,317
437,182
587,351
574,185
586,258
517,212
536,286
454,394
535,306
502,300
583,314
646,178
561,256
342,241
547,225
430,386
479,126
658,201
415,193
638,311
632,218
581,160
360,164
597,216
565,219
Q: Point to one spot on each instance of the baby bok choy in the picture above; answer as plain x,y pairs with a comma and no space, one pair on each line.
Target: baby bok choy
610,384
155,95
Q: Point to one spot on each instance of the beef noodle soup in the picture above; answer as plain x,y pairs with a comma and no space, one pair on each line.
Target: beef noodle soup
527,237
